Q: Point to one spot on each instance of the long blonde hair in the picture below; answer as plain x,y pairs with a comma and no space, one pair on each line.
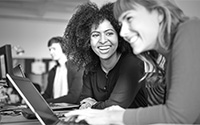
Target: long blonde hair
173,15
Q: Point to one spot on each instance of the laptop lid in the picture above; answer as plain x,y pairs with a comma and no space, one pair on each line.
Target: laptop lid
17,71
34,100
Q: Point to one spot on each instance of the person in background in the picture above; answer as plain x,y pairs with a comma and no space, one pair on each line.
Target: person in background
161,26
64,79
111,71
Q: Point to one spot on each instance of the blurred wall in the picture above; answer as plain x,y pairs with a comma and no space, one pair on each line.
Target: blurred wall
31,35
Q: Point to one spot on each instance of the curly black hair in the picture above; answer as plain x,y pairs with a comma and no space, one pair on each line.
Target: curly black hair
77,33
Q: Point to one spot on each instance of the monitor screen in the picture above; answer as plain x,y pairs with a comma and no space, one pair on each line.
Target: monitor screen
6,64
2,67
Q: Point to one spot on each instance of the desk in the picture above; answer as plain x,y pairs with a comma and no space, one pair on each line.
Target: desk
17,120
21,120
8,117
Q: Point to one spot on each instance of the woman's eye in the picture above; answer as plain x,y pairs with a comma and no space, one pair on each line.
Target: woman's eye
109,33
129,18
95,35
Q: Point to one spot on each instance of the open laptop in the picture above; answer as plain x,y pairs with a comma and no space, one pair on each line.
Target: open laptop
34,100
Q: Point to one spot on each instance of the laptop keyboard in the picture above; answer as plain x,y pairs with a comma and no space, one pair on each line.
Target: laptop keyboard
72,121
69,120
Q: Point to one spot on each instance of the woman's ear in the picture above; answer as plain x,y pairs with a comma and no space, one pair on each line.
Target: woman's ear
160,15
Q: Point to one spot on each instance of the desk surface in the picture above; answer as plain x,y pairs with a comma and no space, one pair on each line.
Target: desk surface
17,120
21,120
8,117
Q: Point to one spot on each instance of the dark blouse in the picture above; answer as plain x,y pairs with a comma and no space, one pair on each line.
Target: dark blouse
119,87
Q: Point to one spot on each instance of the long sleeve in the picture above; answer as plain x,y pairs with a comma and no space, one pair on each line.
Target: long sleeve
87,88
183,102
50,80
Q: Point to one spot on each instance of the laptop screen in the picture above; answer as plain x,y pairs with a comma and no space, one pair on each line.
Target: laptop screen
33,99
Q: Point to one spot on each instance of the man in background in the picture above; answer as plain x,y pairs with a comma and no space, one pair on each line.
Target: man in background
64,79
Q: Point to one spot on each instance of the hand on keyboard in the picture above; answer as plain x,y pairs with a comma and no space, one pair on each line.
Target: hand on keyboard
72,120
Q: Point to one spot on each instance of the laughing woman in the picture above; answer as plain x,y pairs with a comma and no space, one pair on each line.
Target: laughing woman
112,72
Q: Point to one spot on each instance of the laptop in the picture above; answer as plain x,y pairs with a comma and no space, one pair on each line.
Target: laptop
35,101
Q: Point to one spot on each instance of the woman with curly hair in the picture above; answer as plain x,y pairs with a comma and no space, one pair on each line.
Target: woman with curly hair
112,72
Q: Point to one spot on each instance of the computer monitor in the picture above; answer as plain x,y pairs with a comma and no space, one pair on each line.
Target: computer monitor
6,64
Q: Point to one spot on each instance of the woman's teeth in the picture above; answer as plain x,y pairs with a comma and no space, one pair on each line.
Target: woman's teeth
104,49
134,39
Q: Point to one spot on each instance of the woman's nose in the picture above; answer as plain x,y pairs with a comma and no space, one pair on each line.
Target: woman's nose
124,30
103,39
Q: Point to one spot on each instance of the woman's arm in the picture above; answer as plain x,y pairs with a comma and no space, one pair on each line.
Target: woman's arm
87,88
183,102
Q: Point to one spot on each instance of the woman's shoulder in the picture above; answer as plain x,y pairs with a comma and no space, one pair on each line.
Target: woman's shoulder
131,60
188,32
192,24
72,67
130,57
186,42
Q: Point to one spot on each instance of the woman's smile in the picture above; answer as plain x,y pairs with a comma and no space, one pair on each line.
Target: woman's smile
104,49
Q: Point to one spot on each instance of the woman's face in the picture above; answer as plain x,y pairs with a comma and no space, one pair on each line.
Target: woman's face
140,28
104,40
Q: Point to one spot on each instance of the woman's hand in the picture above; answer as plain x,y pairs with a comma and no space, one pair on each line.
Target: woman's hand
87,103
99,117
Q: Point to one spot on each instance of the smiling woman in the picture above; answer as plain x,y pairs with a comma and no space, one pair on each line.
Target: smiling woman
111,72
